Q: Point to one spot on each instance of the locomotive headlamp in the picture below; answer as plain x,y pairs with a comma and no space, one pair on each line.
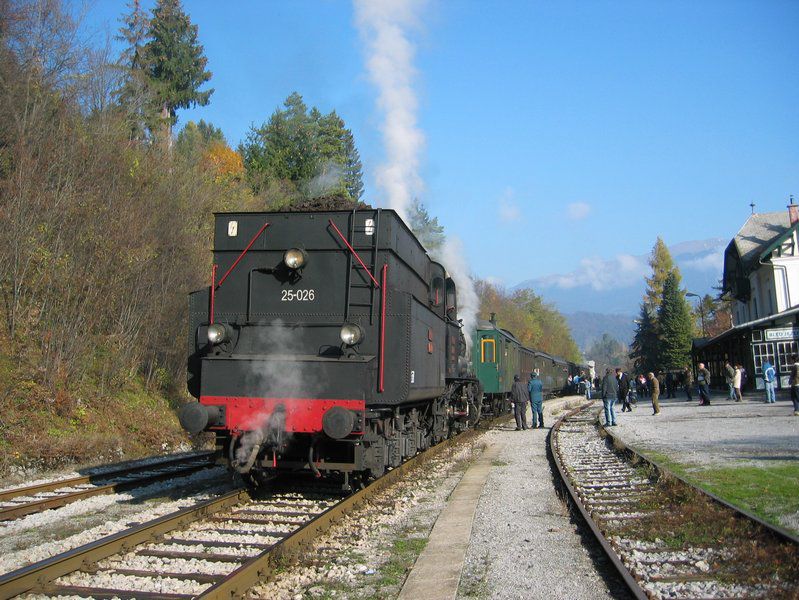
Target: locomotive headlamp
351,334
295,258
217,333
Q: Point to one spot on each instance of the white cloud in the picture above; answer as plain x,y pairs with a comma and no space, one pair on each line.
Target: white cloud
712,261
578,210
601,274
509,211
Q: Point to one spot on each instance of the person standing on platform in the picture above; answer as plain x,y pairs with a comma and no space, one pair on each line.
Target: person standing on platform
729,377
670,385
518,394
794,381
610,392
769,377
688,382
624,389
653,381
535,389
703,381
736,383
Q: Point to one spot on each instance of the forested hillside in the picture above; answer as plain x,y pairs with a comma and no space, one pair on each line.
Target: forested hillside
106,222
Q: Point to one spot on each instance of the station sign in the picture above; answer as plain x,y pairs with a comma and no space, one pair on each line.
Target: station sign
783,333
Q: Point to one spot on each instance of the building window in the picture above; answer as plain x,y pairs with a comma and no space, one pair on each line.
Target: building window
785,353
761,353
770,303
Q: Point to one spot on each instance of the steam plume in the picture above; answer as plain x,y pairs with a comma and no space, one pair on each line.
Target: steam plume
385,27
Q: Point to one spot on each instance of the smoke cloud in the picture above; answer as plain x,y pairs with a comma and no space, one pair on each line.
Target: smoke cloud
385,28
452,256
275,378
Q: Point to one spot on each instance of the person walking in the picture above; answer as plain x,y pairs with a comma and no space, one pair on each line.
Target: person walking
729,377
736,383
703,381
655,393
769,377
518,394
624,390
794,381
610,392
535,390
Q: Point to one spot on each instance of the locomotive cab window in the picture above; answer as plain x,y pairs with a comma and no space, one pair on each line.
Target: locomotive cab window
487,350
437,291
452,300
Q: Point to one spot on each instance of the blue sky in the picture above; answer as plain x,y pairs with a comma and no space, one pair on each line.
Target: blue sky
555,135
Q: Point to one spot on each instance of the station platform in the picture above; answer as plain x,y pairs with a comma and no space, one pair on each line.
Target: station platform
505,532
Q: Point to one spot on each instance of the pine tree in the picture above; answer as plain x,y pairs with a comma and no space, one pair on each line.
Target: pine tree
353,169
644,349
662,264
135,94
174,62
674,319
304,151
426,229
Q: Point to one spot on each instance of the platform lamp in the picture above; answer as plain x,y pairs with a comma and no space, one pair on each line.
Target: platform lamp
701,310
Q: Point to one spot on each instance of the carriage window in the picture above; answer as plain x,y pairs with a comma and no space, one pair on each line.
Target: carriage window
487,350
437,291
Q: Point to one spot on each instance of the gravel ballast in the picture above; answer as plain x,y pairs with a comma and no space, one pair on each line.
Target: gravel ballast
524,543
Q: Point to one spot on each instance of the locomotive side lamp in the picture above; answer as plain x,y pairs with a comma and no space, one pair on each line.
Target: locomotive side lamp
217,333
295,258
351,334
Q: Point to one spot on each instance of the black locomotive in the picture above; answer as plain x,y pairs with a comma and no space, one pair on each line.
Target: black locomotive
327,341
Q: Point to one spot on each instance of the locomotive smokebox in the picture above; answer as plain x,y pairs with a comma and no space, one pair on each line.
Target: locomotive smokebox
195,417
338,422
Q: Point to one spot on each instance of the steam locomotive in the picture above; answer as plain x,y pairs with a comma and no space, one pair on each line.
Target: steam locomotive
327,342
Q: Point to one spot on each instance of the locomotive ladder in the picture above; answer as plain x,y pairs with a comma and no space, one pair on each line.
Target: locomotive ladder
361,281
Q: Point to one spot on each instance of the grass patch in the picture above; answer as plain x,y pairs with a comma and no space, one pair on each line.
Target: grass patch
768,492
498,463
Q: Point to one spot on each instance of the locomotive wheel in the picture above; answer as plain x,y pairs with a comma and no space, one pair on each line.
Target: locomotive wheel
474,403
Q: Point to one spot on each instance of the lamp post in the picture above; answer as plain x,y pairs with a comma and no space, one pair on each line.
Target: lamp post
701,310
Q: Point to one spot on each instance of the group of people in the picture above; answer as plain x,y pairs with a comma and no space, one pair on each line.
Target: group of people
521,394
616,387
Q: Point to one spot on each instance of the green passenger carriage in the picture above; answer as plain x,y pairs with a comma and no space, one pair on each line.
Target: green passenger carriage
497,355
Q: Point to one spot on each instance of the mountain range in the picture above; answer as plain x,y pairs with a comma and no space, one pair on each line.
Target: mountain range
604,295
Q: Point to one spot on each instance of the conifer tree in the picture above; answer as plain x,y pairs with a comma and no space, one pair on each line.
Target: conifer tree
674,320
135,94
662,264
426,229
645,343
353,169
303,151
174,62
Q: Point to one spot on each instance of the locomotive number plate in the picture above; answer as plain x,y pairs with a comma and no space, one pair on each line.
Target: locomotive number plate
297,295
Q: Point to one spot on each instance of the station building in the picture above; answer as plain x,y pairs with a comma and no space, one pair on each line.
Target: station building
761,272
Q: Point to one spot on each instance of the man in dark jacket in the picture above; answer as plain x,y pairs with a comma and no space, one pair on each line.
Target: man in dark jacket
624,389
610,392
518,394
536,390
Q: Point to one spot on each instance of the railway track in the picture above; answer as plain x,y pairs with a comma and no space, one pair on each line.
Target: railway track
666,538
19,502
215,549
